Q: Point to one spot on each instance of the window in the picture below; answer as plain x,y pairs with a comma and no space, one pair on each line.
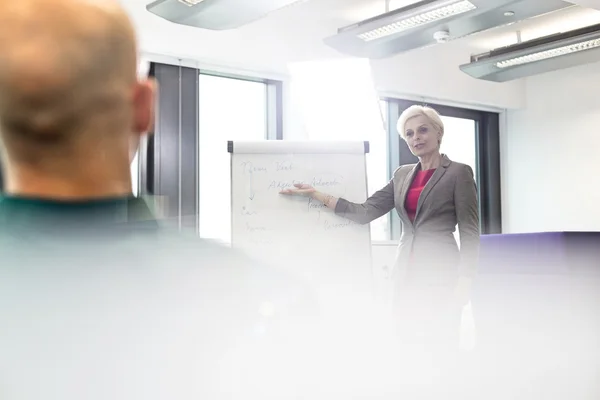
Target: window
135,167
460,141
229,109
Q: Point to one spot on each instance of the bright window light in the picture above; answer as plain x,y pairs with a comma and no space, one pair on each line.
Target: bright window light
230,109
337,100
143,68
135,170
437,14
460,144
544,55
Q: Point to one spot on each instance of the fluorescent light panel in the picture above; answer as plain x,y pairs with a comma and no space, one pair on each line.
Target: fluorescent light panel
438,14
546,54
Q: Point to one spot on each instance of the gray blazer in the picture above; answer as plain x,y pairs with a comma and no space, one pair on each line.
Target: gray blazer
449,199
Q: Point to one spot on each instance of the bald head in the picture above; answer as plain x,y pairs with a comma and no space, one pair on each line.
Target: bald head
61,60
68,77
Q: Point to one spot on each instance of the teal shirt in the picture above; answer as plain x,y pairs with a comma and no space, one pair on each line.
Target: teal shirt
44,215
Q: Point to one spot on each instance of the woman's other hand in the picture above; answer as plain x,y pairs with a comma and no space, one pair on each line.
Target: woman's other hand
300,189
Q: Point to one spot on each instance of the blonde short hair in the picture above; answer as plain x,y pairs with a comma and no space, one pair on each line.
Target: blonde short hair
432,116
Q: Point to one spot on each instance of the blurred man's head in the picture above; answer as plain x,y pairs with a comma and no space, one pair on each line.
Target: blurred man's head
71,106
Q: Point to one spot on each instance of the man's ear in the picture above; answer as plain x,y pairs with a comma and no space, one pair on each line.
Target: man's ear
144,98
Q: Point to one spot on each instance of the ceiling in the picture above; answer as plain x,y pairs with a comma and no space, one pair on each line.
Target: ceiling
315,19
559,21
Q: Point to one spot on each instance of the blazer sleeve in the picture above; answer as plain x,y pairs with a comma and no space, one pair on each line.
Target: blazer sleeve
380,203
467,213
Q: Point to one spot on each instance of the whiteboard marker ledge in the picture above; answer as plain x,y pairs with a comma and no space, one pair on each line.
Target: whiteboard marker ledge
292,147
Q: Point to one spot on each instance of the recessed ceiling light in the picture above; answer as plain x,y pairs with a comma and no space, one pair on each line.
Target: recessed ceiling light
544,55
509,13
448,9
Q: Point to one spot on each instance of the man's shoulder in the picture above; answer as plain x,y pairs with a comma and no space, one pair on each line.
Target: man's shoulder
221,262
203,271
216,264
42,235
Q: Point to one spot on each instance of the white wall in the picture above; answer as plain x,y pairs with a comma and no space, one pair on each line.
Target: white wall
551,154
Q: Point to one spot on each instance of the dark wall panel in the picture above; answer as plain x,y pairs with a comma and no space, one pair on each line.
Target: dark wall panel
170,165
166,139
489,156
189,147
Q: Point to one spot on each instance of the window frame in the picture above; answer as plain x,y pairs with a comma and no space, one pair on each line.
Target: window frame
487,156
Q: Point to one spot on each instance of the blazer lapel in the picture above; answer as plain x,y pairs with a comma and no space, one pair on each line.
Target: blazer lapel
405,186
435,178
